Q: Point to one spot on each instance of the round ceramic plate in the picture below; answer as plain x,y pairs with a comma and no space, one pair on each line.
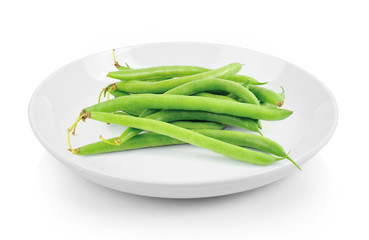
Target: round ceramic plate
181,171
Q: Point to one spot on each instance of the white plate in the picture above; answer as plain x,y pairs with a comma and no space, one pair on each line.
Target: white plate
179,171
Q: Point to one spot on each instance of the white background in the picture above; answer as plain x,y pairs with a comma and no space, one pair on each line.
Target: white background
42,199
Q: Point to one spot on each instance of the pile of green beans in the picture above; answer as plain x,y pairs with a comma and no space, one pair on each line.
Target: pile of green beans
187,104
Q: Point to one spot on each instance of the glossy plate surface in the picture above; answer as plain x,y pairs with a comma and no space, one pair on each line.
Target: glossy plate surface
179,171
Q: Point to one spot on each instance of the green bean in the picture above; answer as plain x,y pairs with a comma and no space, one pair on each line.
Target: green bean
199,125
188,136
145,140
175,115
180,102
211,95
152,140
165,85
165,72
193,87
267,95
248,140
156,72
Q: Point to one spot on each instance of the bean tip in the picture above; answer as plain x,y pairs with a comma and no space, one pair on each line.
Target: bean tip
293,162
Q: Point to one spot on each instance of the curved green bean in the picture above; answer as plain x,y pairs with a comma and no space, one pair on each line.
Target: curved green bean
180,102
144,140
165,72
152,140
175,115
188,136
209,84
165,85
156,72
248,140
